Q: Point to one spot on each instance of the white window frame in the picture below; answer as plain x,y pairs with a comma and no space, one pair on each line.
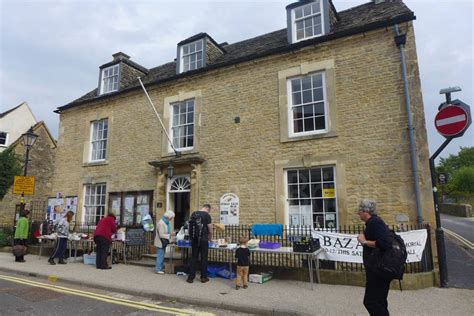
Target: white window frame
85,215
294,20
171,132
99,140
289,90
114,77
6,140
287,204
183,55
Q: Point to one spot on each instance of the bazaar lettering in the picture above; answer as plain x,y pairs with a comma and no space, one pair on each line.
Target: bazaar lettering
339,242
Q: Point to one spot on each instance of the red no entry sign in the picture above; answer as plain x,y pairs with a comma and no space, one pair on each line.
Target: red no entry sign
452,120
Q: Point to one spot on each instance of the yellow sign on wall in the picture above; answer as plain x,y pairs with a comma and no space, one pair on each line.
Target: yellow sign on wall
25,185
328,193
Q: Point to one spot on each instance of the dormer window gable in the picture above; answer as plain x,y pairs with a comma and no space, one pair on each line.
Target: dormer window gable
197,52
307,19
119,73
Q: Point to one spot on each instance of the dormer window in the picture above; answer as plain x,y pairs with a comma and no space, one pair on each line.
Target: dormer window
307,21
110,79
192,56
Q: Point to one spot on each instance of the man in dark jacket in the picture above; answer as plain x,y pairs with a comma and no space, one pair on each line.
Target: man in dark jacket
103,239
375,236
199,243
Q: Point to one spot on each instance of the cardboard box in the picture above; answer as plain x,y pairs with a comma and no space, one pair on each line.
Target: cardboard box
171,268
260,278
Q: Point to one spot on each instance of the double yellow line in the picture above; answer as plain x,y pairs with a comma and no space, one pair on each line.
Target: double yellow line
99,297
460,238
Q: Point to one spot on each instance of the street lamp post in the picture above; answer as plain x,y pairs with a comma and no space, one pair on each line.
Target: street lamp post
29,139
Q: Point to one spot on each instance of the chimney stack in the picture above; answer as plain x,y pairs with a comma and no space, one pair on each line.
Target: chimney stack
120,56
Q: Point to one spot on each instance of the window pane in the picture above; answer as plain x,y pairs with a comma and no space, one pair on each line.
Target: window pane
190,141
309,124
292,191
316,7
299,34
189,130
309,31
292,176
175,120
320,123
295,85
296,98
317,205
330,205
306,82
199,56
317,29
300,25
307,10
316,175
298,13
316,190
303,176
298,112
190,118
308,111
317,80
318,94
304,191
298,126
307,96
328,174
199,45
318,220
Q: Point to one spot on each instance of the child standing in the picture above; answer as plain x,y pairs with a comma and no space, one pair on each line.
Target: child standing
243,261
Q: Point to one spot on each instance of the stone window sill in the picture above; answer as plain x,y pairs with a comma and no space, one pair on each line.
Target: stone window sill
307,137
95,163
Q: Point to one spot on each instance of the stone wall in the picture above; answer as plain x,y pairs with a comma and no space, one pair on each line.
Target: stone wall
370,148
41,166
461,210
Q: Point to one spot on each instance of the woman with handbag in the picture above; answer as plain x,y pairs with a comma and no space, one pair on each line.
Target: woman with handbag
162,239
21,236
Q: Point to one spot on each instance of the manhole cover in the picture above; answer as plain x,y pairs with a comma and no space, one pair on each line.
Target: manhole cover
35,294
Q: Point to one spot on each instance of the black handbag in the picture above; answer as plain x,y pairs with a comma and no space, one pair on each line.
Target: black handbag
164,242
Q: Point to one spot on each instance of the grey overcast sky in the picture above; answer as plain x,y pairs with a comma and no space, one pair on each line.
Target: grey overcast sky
50,50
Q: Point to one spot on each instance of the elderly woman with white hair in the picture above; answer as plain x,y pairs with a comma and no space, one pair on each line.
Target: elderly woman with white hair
163,235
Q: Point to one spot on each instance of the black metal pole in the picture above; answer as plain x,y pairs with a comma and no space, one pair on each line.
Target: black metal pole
27,158
440,245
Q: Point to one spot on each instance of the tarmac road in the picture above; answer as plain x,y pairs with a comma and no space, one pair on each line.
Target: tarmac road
27,296
459,238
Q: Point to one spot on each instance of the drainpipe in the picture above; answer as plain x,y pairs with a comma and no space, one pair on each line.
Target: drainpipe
400,40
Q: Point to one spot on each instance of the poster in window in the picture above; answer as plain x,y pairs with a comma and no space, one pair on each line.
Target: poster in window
71,204
128,210
55,208
306,215
229,209
328,192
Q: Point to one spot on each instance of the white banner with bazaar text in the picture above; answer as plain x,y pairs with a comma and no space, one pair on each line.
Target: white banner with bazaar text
346,248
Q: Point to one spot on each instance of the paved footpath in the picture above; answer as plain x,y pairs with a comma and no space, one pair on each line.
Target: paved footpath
277,296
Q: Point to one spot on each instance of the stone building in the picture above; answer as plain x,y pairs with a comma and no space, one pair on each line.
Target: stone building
41,164
299,124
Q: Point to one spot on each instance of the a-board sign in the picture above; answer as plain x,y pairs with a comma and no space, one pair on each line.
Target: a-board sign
135,237
25,185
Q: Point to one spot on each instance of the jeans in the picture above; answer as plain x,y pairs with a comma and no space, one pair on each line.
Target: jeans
376,293
198,247
160,258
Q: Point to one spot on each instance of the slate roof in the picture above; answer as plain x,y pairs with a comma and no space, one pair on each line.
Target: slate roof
355,20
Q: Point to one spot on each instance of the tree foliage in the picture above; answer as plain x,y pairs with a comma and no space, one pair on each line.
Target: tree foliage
460,171
9,168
